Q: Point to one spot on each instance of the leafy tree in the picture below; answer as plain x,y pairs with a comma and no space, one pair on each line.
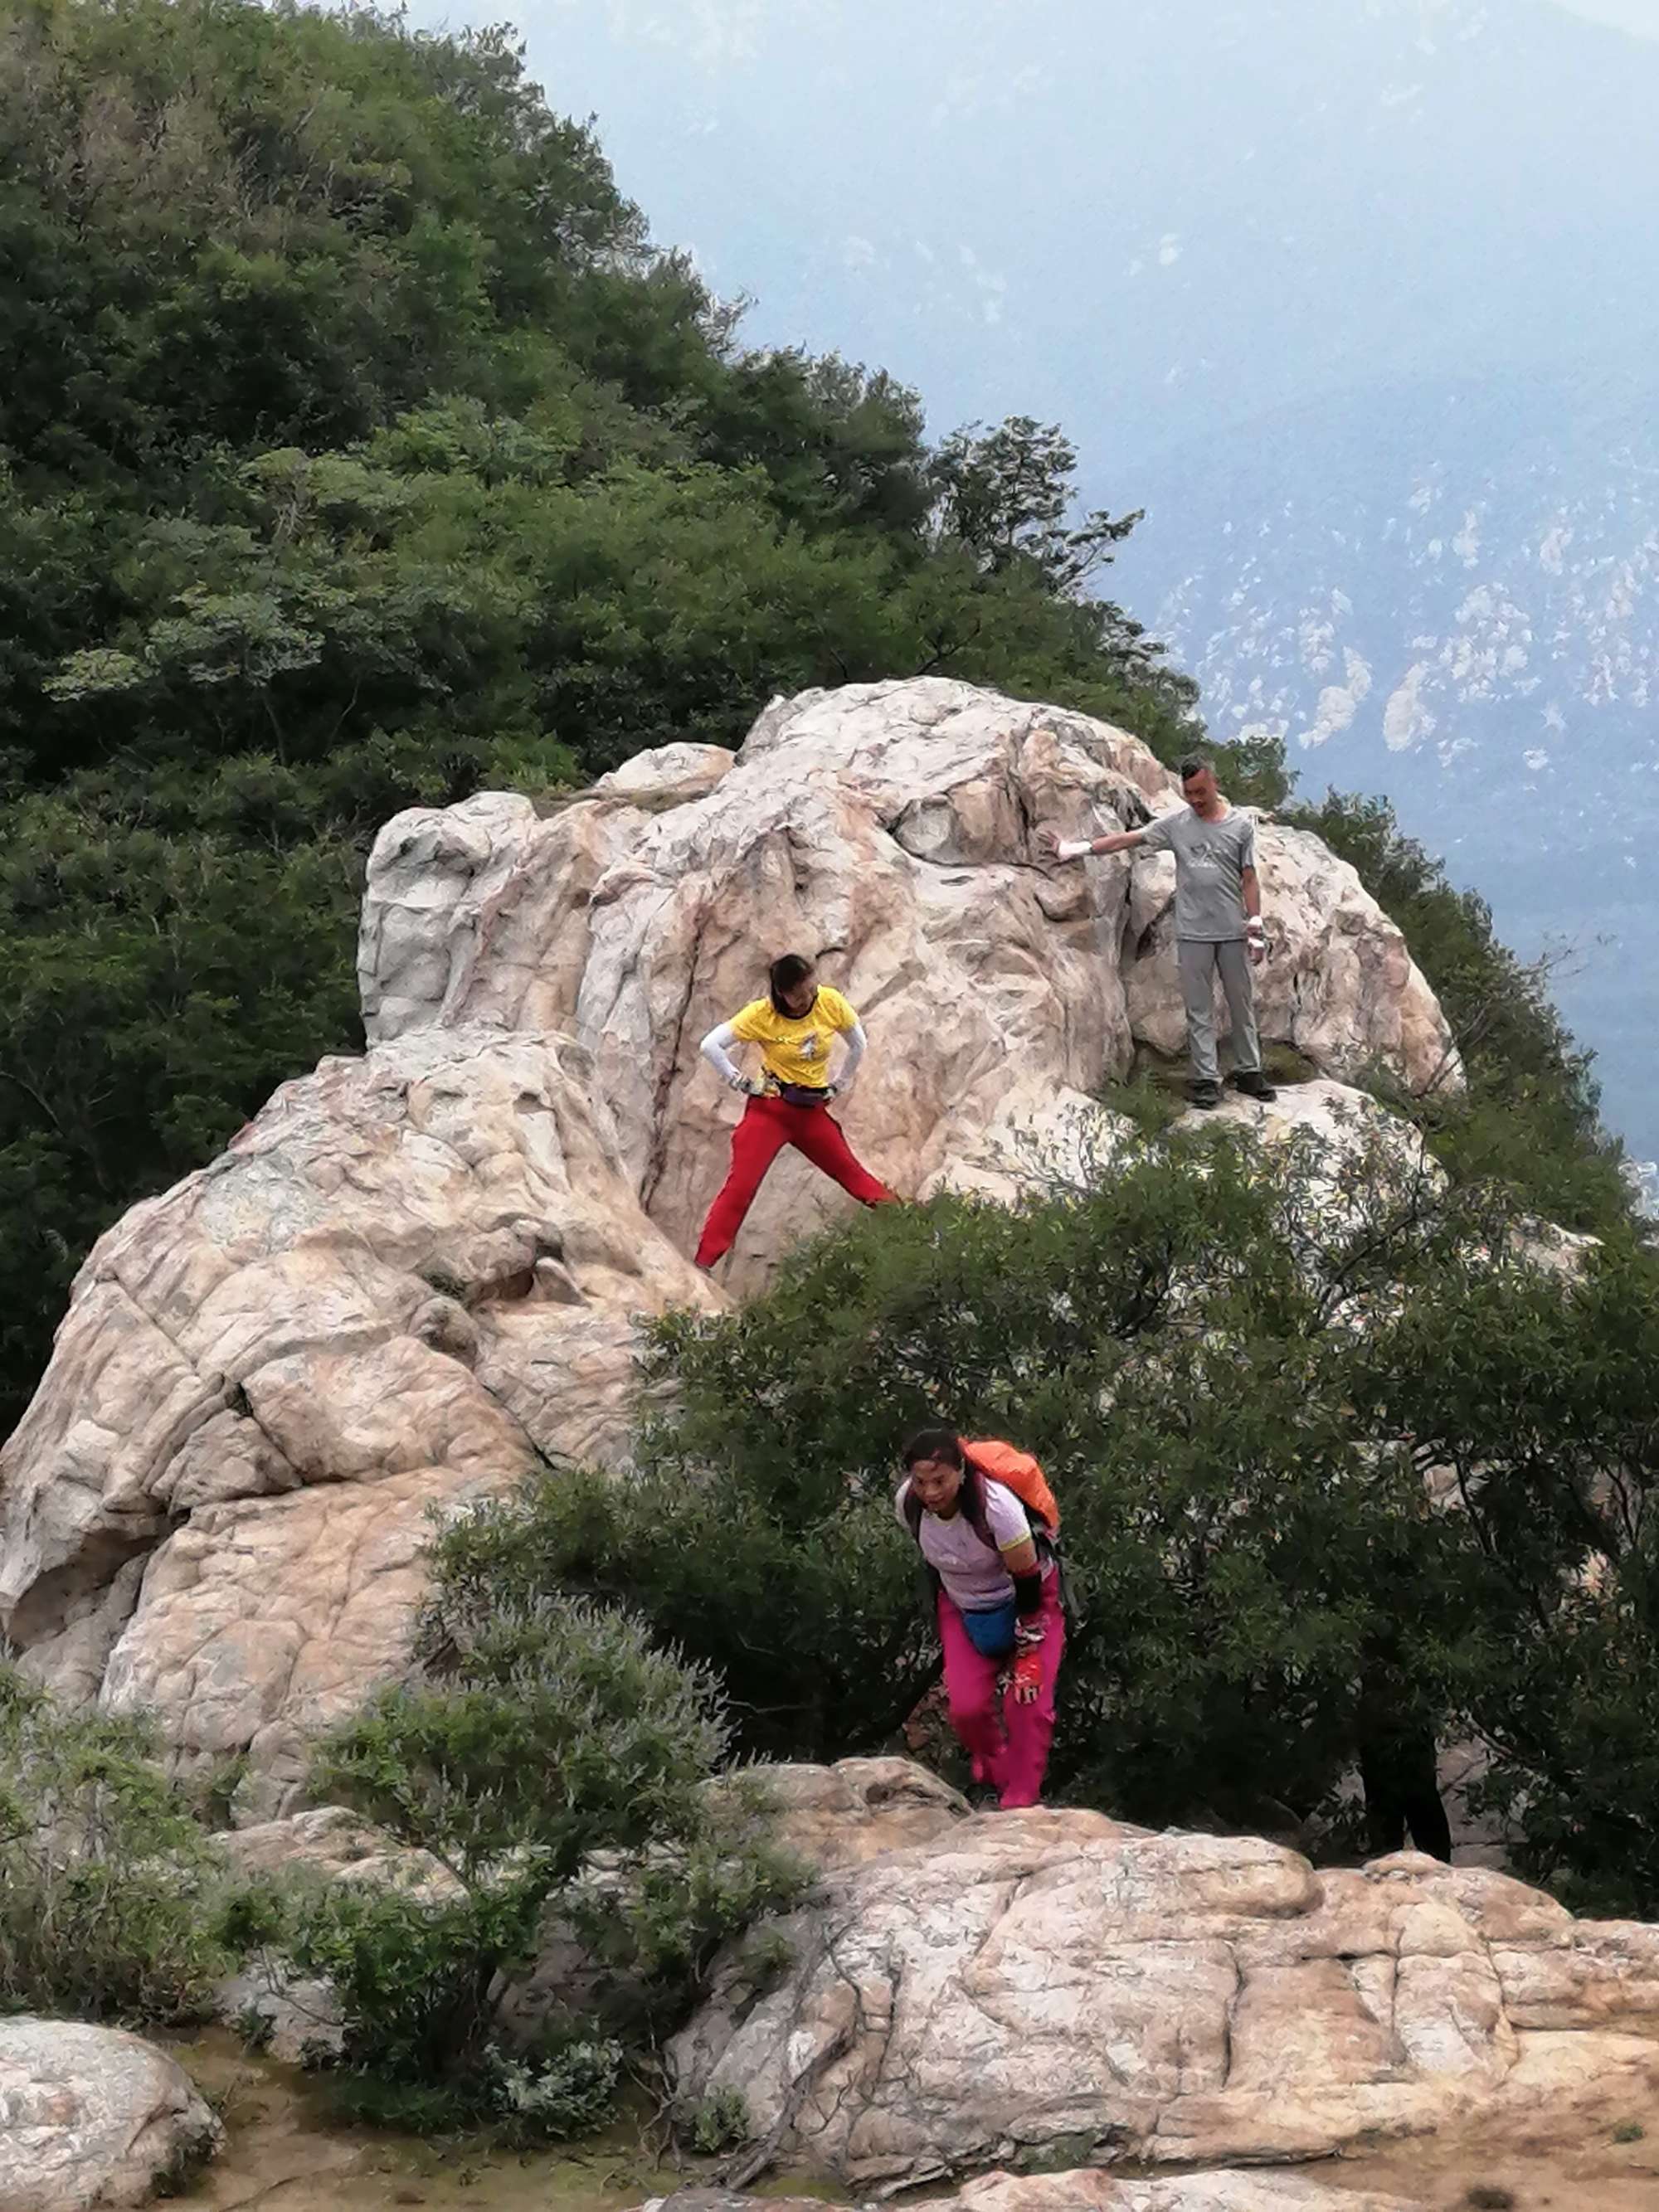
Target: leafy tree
1529,1393
1175,1340
1296,1412
1005,494
164,969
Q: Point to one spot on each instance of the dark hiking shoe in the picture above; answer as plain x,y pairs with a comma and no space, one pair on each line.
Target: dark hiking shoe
1206,1095
1254,1084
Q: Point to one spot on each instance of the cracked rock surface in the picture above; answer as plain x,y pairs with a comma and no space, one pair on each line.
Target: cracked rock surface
408,1275
1219,2191
1054,1983
889,831
1088,2192
91,2116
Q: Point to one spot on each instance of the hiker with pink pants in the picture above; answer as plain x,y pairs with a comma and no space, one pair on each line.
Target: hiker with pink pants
984,1520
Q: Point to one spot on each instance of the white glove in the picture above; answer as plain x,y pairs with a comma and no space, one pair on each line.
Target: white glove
746,1086
1255,940
834,1090
1074,848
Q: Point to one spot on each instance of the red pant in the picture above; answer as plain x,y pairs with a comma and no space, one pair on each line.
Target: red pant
767,1125
1009,1747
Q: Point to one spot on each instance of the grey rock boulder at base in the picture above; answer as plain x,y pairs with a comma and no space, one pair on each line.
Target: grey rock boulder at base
91,2116
1030,1984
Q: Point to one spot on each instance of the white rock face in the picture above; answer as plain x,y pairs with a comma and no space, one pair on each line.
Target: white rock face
408,1275
414,1272
90,2117
1033,1980
889,831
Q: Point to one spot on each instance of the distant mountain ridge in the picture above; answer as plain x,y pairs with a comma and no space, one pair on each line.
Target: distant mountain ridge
1356,301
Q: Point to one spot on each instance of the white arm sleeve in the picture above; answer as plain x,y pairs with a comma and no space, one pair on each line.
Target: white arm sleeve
855,1041
716,1050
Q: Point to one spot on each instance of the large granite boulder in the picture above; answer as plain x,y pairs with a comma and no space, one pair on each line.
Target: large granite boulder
415,1272
409,1275
92,2117
891,830
1033,1984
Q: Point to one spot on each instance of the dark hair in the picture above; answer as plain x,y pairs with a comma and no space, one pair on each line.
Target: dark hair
935,1443
1194,764
784,975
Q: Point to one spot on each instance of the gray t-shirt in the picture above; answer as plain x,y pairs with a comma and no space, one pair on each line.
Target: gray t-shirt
1211,857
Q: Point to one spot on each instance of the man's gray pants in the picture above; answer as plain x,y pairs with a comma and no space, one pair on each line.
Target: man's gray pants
1199,963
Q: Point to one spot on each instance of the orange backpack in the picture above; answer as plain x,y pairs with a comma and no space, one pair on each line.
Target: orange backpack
1018,1472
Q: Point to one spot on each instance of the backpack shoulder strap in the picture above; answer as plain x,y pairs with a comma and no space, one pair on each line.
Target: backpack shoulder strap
972,1502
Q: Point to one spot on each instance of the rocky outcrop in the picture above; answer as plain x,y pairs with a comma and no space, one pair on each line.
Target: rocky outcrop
1035,1983
92,2117
414,1272
889,829
858,1809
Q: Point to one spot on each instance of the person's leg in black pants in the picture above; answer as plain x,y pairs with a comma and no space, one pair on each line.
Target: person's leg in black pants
1402,1792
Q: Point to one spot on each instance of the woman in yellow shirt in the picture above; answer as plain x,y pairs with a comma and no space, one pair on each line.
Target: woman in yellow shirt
789,1103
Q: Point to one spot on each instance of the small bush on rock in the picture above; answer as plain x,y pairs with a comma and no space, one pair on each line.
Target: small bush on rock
109,1886
717,2123
554,1760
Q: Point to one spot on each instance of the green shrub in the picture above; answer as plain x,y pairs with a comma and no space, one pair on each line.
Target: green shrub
571,2092
1183,1377
555,1761
716,2122
1240,1367
109,1886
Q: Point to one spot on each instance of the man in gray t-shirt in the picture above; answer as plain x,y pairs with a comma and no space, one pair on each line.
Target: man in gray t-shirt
1219,928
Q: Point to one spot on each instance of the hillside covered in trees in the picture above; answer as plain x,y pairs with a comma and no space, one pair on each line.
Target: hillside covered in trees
358,449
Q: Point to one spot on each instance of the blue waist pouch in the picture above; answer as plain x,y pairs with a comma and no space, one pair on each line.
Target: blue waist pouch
992,1633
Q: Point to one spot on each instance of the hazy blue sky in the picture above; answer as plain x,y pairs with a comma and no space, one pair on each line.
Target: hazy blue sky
1642,16
718,21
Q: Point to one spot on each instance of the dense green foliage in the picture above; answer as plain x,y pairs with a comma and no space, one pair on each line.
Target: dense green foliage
554,1762
357,449
1240,1373
109,1889
1528,1118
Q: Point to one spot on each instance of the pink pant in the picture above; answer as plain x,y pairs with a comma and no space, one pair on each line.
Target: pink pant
1009,1747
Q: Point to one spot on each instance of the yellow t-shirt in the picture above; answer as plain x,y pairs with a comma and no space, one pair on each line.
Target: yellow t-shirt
795,1047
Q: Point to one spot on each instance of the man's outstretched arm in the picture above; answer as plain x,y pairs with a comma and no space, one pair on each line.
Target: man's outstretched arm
1079,848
